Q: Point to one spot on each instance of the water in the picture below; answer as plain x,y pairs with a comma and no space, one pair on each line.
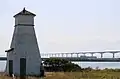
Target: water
2,65
101,65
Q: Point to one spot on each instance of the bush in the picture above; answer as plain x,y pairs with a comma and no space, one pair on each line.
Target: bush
55,64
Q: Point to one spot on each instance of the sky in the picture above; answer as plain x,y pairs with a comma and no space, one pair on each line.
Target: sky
66,25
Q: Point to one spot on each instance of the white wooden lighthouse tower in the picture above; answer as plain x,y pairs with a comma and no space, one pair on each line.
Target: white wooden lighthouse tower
23,57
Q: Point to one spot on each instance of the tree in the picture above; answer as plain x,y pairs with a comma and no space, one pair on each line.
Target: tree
88,68
71,67
56,64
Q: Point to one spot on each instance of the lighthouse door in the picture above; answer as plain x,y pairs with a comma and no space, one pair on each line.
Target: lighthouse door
10,67
22,66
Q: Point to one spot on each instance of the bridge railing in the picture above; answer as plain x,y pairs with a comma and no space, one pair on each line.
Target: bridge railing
77,54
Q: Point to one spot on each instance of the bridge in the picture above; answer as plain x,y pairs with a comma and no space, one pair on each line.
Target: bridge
76,56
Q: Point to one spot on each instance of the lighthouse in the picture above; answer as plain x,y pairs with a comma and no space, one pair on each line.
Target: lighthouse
23,57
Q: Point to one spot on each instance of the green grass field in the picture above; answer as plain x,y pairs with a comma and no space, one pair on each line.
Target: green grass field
83,75
76,75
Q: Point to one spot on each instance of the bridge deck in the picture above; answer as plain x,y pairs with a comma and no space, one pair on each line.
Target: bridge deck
79,59
3,58
88,60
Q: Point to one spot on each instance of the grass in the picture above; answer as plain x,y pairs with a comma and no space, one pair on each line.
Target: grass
83,75
3,76
75,75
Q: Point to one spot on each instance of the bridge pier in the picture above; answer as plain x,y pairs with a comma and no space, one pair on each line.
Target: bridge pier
58,54
113,55
77,54
52,55
55,55
101,55
92,54
66,55
62,54
71,54
46,55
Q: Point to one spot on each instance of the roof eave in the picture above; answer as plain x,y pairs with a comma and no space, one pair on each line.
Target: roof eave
24,14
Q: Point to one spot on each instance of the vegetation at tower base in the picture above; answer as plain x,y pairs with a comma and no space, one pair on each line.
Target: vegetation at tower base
56,64
92,74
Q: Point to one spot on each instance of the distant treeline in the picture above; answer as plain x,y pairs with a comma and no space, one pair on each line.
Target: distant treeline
57,65
62,65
